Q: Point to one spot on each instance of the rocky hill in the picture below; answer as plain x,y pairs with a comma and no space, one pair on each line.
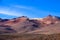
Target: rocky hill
24,24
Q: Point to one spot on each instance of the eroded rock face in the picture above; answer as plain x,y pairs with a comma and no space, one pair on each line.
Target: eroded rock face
24,24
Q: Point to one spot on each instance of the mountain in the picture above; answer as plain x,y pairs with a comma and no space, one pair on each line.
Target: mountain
49,24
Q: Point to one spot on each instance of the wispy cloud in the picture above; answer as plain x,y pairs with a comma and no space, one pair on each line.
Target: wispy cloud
16,11
30,8
23,7
35,10
8,11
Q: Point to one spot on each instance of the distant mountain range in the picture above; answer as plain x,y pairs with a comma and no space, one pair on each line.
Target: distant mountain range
23,24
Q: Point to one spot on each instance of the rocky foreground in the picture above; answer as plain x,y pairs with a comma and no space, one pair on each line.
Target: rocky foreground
30,37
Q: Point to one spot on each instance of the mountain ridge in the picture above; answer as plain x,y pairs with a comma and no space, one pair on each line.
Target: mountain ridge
26,25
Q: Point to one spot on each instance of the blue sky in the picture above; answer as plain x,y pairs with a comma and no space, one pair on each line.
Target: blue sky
29,8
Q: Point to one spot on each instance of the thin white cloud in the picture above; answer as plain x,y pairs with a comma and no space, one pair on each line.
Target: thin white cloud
7,11
23,7
31,9
13,12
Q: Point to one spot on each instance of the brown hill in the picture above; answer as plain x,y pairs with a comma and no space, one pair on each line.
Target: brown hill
26,25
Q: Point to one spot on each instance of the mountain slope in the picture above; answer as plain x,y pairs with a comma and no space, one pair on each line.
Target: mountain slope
52,29
46,25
